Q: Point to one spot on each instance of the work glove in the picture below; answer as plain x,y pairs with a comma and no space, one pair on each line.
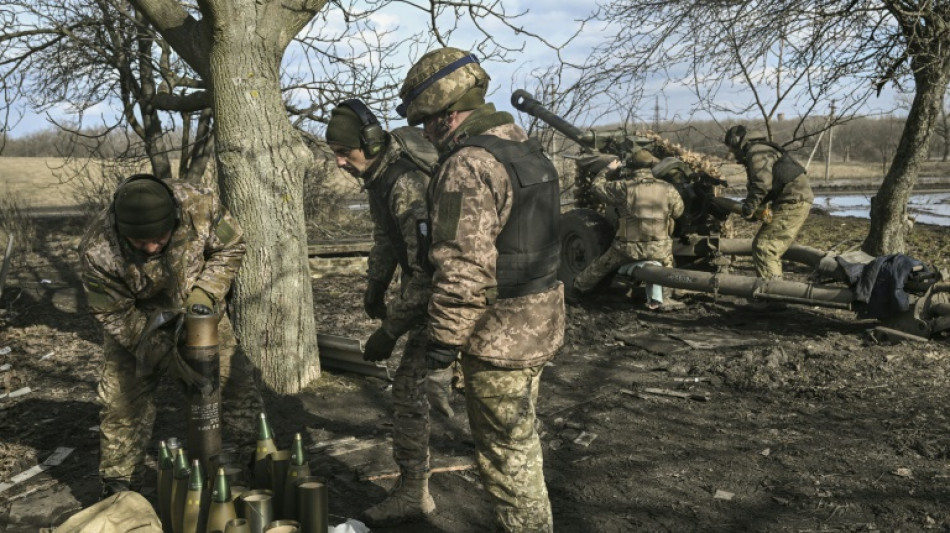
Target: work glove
374,300
439,390
199,302
440,356
379,346
192,379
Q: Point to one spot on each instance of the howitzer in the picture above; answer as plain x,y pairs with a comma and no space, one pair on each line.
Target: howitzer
586,232
615,142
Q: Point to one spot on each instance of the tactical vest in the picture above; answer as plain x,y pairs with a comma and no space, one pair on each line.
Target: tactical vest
647,213
784,171
529,245
380,196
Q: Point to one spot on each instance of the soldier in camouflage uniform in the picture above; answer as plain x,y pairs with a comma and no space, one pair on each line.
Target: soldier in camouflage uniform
160,246
775,178
647,208
395,168
494,204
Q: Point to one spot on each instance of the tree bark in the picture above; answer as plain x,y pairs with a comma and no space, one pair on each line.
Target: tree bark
945,132
930,63
261,163
889,223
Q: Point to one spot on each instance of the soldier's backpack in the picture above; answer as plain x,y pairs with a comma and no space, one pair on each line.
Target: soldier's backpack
121,513
784,171
419,150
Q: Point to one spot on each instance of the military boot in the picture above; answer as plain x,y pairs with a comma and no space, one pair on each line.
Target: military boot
670,303
114,485
409,500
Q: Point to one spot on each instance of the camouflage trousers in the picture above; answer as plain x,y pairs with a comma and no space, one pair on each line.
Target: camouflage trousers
621,253
127,403
773,239
411,408
501,412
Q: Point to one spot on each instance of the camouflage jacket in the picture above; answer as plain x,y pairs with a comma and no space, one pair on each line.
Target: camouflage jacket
646,207
759,160
470,201
123,286
403,206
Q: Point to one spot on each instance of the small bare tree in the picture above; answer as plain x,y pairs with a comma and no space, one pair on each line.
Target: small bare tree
793,53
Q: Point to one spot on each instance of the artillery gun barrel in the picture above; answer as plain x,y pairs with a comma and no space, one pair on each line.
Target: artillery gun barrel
523,101
748,287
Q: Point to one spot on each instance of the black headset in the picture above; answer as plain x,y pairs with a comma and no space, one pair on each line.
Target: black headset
143,176
372,136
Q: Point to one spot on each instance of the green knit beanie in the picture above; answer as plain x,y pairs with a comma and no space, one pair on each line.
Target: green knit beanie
344,127
144,209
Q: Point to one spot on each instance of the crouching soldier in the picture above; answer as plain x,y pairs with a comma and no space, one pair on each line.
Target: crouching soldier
647,210
161,247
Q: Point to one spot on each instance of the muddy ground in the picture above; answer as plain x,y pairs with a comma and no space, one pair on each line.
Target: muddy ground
800,421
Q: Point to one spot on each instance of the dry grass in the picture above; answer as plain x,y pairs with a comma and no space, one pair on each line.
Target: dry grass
46,181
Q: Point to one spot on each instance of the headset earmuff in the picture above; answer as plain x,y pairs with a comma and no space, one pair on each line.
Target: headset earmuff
372,136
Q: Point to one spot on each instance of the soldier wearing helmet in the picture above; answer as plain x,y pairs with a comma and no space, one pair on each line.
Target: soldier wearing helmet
647,210
160,247
494,204
773,178
395,168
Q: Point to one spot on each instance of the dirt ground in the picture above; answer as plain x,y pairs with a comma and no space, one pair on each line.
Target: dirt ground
799,421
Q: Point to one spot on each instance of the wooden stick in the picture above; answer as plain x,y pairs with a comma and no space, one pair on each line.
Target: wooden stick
436,470
699,396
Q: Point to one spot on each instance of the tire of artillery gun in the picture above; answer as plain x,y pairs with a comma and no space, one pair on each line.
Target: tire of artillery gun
585,235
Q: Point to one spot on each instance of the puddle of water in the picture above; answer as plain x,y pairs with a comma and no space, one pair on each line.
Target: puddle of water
928,208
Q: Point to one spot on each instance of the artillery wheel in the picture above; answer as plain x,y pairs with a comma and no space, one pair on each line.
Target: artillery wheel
585,235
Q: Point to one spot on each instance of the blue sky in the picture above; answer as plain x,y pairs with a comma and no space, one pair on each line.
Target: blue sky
554,21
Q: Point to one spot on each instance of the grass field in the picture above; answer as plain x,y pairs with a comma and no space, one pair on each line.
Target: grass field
54,182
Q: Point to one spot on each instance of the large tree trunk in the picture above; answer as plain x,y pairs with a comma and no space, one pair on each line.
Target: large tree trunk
889,222
262,161
945,132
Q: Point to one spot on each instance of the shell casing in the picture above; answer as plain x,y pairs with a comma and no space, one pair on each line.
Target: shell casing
194,516
237,525
294,473
312,504
166,471
277,464
258,509
283,526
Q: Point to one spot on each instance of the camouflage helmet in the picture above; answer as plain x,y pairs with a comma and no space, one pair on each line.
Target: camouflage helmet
666,170
440,79
734,137
641,158
737,137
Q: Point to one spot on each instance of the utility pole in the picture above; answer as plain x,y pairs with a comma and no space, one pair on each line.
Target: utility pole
831,128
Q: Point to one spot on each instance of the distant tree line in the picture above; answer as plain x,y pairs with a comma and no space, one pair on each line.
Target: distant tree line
56,142
864,139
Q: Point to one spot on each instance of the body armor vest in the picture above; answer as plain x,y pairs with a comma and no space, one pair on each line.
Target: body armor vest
784,171
647,213
380,195
529,244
